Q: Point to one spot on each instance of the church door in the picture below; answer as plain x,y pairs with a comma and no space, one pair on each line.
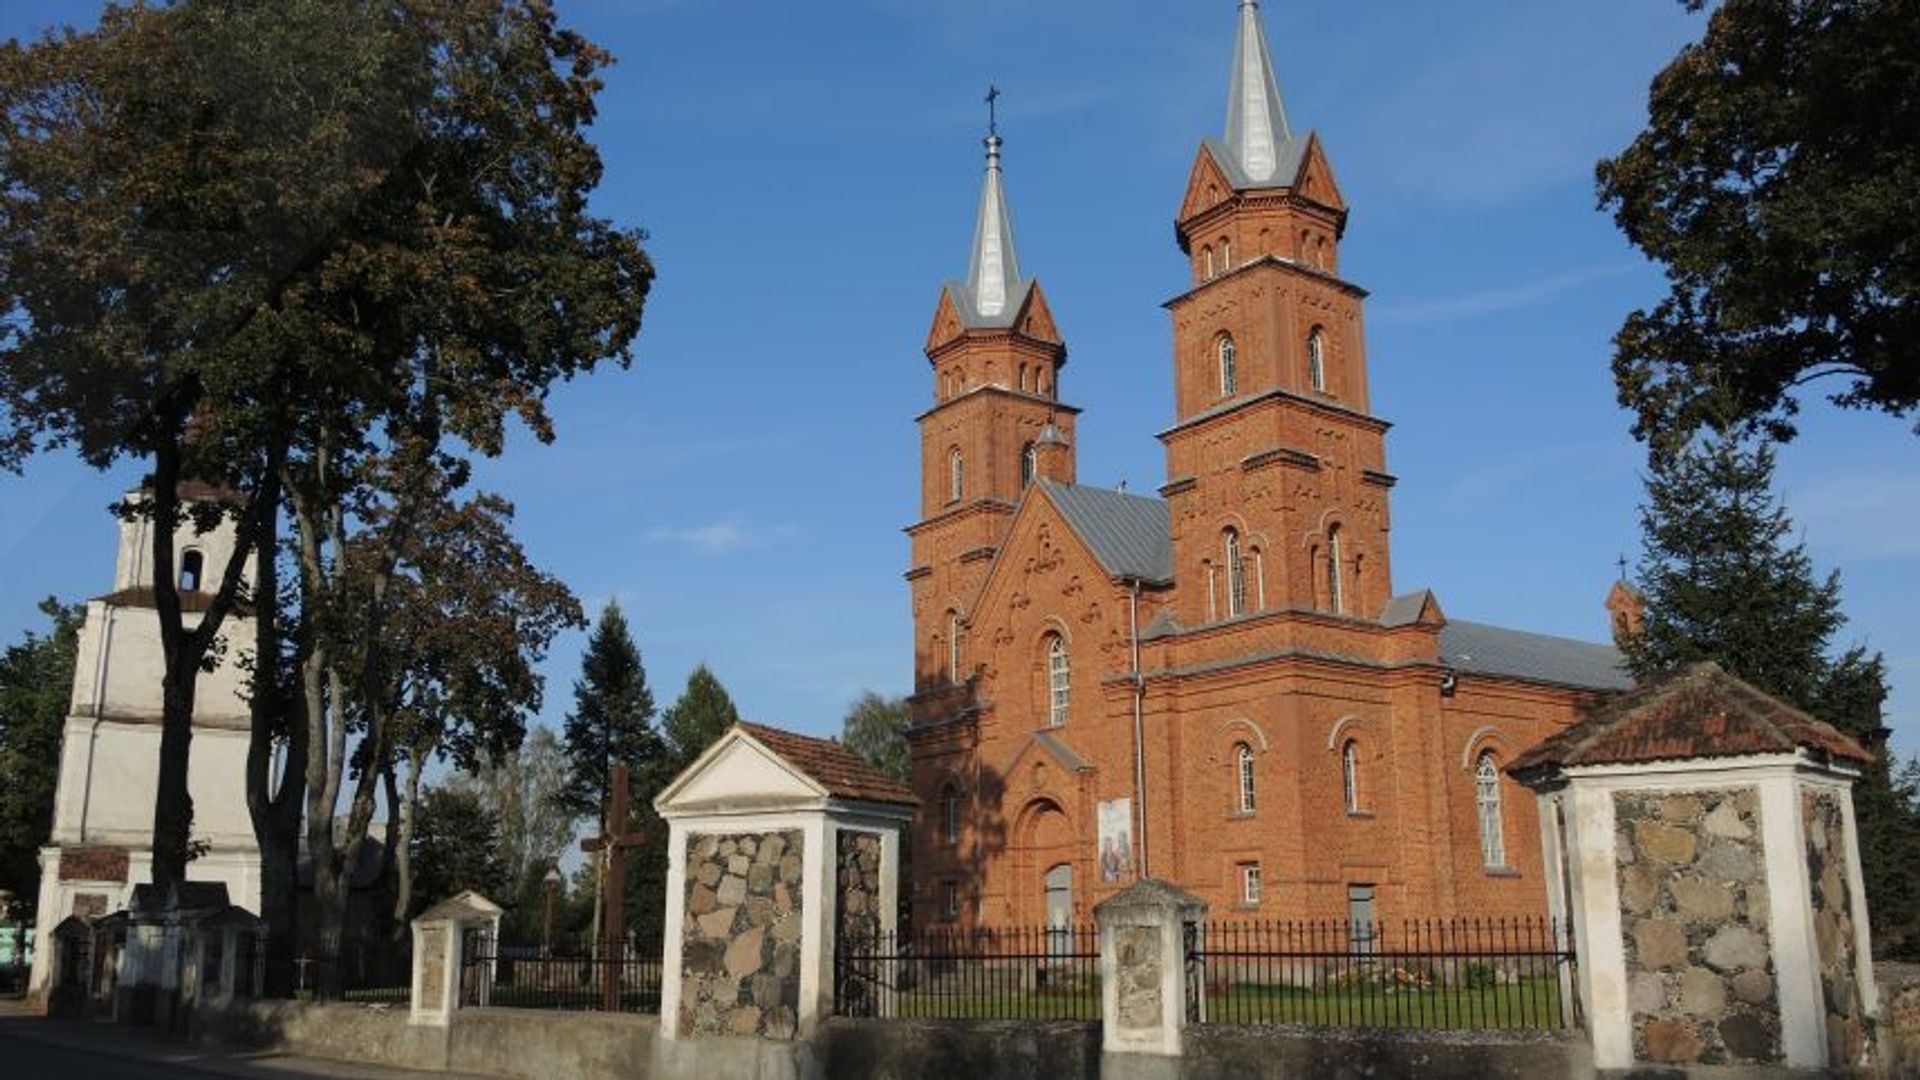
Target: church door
1060,908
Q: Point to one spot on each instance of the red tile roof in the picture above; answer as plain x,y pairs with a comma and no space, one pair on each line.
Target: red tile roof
842,772
1698,712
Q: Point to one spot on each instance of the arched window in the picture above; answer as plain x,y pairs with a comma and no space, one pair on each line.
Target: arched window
1229,365
1226,255
1486,798
956,476
1206,254
1236,575
1350,775
1336,587
1023,377
950,814
1029,464
191,566
1243,771
1317,360
953,646
1057,680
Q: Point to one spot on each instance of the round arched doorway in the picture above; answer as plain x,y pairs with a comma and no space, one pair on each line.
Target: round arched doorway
1044,866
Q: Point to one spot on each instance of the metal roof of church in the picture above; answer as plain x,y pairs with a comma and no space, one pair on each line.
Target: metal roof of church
1131,535
1495,650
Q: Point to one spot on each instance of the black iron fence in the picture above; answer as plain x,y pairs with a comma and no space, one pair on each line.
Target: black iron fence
369,976
571,976
1460,973
1040,973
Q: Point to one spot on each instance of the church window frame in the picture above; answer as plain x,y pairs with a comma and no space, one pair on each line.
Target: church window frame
1206,255
1228,355
1059,681
1317,360
1336,583
956,475
1029,463
1236,573
1250,884
1350,776
1226,254
1246,795
192,571
1486,803
950,815
953,646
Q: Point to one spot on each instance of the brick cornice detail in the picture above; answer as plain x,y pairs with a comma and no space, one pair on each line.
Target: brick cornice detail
1274,262
1267,397
1280,455
965,396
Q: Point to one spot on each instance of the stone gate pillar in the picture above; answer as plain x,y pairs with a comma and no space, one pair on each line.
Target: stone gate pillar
1143,976
780,847
1702,838
440,944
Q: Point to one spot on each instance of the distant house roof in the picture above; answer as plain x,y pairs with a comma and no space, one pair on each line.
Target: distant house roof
1480,649
842,772
1698,712
1131,535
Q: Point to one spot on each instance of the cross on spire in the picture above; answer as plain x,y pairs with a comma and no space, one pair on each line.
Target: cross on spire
993,111
1623,566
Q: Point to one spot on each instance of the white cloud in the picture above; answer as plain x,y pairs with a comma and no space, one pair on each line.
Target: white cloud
713,539
1475,305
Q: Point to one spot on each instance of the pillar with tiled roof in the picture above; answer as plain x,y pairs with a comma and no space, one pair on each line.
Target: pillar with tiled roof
1701,838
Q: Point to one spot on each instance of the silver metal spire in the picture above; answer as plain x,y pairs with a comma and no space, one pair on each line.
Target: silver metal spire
1257,132
994,274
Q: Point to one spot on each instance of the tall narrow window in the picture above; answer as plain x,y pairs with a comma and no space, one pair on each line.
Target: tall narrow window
949,899
1226,255
1486,788
1023,377
1243,766
1229,366
956,476
953,646
1250,884
1057,680
1317,360
1350,775
1207,254
1336,587
1236,576
1029,464
950,814
191,567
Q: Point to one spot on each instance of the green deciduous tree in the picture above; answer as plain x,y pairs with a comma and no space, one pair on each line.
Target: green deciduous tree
312,248
456,845
1778,183
875,728
36,687
703,712
1726,580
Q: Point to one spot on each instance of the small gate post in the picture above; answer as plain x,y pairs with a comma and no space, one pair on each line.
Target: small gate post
439,955
1144,932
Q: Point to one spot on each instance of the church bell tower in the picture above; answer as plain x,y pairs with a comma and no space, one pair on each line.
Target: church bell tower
995,426
1276,475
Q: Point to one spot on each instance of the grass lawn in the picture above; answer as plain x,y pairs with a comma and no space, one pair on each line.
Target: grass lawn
1530,1004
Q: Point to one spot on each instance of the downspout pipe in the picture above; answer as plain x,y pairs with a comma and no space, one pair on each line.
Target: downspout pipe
1139,727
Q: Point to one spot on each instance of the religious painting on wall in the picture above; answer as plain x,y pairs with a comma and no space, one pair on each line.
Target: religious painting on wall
1116,840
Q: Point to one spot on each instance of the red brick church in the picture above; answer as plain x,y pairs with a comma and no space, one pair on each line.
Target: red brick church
1218,686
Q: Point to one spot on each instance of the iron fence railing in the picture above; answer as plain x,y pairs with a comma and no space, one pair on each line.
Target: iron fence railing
574,977
1459,973
374,977
1024,973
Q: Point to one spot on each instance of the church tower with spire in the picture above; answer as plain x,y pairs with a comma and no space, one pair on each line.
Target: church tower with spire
1276,470
996,426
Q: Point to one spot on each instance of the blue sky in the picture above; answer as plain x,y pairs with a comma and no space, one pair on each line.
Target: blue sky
808,174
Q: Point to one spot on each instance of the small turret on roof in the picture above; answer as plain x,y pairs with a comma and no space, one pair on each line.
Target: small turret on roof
1700,711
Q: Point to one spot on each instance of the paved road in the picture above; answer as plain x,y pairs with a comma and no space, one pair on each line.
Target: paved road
34,1049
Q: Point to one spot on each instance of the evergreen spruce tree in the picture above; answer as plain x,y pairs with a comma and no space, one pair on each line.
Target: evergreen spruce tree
612,721
1726,580
704,713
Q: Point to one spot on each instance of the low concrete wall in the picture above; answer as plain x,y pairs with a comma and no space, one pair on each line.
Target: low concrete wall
537,1044
1898,1037
373,1035
958,1050
1220,1052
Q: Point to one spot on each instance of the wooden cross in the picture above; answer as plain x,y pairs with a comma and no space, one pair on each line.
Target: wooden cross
614,839
993,110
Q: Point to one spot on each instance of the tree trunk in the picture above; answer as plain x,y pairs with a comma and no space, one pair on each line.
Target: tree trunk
403,843
173,802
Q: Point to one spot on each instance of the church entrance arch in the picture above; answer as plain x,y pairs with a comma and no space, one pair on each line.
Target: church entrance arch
1043,865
